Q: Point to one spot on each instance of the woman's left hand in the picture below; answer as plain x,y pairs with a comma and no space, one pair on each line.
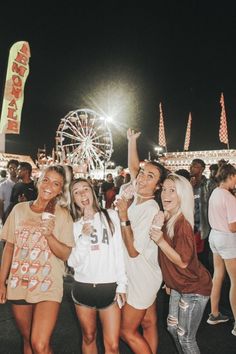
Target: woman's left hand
48,226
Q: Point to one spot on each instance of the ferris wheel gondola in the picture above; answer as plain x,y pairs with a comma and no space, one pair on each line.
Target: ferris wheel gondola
83,137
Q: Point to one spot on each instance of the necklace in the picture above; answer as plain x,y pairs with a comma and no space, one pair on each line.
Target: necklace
143,197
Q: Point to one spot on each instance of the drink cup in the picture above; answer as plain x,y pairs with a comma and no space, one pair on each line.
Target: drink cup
158,220
46,215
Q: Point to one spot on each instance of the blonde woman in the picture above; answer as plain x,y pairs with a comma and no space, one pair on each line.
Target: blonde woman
33,259
189,282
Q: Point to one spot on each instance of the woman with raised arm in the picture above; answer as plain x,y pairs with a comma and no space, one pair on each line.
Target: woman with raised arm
143,271
98,262
32,269
188,280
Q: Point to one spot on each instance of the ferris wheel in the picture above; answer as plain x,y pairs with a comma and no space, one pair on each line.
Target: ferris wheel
83,137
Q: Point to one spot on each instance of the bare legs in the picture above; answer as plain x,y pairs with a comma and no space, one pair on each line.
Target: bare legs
231,270
110,320
218,277
149,325
23,318
131,320
220,267
87,318
36,324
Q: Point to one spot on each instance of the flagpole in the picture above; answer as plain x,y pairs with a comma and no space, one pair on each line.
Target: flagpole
223,131
2,142
162,137
188,133
3,135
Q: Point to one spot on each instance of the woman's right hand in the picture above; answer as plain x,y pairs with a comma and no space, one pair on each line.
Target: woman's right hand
3,293
87,229
122,206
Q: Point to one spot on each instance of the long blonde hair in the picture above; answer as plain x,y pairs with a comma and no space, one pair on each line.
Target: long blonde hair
184,191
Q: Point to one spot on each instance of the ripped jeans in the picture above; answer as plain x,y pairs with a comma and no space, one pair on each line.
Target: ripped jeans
185,314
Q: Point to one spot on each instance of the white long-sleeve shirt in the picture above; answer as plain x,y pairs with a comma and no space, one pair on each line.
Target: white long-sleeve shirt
98,258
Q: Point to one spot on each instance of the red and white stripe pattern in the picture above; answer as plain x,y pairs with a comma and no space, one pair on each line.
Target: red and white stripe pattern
162,137
188,133
223,132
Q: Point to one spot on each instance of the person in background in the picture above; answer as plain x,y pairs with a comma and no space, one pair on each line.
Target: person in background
222,218
143,271
3,176
108,191
187,280
127,182
24,189
95,184
119,179
127,178
212,181
201,195
70,171
32,267
99,269
6,188
183,172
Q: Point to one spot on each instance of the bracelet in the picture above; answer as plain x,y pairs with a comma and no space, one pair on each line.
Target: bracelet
125,223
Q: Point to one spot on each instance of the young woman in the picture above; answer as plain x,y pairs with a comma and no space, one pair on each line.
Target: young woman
189,281
222,218
97,259
143,271
33,260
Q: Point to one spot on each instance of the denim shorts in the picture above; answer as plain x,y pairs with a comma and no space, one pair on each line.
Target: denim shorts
223,243
97,296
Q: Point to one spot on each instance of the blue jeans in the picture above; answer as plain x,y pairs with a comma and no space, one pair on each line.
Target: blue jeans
185,314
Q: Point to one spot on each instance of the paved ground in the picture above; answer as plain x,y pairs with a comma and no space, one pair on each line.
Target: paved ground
67,336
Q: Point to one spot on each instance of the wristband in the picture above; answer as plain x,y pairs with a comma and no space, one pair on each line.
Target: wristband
125,223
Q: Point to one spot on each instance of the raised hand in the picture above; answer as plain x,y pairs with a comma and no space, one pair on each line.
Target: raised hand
122,205
132,134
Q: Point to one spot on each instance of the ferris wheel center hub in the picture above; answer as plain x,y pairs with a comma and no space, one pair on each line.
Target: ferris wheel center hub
82,137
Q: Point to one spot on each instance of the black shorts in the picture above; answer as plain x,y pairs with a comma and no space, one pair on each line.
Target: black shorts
97,296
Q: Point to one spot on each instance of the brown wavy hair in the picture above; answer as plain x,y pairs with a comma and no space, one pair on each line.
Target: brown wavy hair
77,213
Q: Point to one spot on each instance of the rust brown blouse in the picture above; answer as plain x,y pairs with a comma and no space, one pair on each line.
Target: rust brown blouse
195,278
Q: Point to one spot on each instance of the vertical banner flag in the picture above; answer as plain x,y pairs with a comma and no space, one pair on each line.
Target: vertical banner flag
188,133
17,72
162,137
223,132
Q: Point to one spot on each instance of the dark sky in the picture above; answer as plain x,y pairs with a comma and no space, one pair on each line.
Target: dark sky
181,53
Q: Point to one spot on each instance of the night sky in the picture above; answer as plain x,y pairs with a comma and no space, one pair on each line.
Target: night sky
122,58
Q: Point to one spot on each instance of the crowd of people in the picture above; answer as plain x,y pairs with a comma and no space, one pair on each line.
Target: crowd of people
123,240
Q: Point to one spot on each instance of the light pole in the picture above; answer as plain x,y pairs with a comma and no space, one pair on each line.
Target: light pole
159,150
